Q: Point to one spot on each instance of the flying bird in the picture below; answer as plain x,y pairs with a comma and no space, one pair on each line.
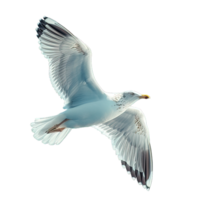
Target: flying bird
86,104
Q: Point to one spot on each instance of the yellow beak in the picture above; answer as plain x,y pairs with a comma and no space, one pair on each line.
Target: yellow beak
144,96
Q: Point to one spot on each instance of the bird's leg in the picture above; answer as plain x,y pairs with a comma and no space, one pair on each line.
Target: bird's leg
57,130
54,128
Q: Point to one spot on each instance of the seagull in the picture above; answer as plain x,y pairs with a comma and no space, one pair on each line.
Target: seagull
87,105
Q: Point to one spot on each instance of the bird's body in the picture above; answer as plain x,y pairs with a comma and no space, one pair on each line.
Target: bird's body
94,113
86,104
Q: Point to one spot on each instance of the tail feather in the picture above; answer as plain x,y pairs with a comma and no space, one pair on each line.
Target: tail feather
41,125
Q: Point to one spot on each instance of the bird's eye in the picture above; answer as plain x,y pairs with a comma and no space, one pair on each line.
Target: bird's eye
132,93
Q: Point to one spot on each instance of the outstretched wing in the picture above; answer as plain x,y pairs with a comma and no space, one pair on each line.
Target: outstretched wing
70,64
130,139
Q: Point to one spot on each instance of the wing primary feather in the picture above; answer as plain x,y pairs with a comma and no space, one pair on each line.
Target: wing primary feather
49,27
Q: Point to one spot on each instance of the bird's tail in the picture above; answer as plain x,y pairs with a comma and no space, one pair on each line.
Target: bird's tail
41,126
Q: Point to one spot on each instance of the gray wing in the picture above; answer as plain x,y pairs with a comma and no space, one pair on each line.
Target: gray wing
70,64
130,139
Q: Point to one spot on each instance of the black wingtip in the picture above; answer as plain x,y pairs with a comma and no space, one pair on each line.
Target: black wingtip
40,27
136,174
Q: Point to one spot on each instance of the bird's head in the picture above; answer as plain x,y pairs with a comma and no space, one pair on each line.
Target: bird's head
132,97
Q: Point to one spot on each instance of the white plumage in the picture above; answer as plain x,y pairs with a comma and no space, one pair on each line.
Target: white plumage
87,104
